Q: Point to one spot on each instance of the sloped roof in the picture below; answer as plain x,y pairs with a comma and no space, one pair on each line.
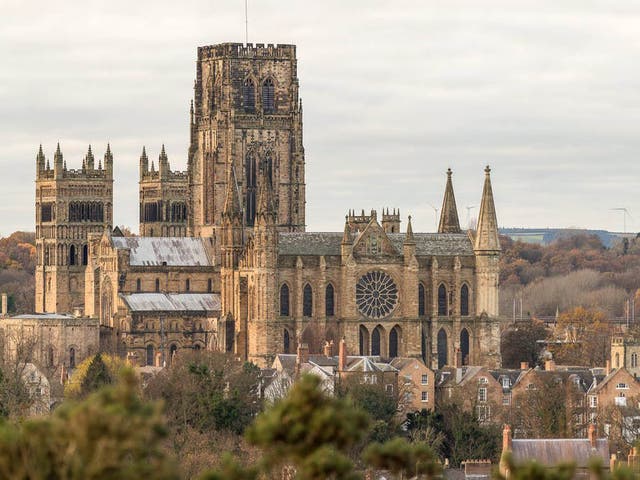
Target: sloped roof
172,302
164,251
328,243
551,451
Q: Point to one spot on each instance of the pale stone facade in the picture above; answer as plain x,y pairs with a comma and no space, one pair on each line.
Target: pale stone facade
163,198
269,285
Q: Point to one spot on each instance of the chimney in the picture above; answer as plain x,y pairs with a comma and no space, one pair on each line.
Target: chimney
328,349
506,438
591,434
342,356
303,353
458,358
550,366
4,305
524,365
607,368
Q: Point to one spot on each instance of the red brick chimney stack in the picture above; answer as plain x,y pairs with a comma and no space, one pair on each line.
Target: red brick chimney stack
524,365
506,438
591,434
550,366
342,356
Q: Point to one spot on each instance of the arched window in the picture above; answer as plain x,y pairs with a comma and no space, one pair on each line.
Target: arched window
634,360
464,301
157,285
50,356
286,344
172,352
442,300
284,300
72,255
150,355
394,341
230,335
328,301
138,285
251,186
464,346
72,357
268,94
307,301
442,348
421,306
249,96
85,254
375,341
197,347
363,337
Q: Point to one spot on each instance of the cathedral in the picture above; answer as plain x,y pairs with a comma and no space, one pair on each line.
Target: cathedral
224,261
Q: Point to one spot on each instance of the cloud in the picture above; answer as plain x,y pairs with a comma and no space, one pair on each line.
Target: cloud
394,93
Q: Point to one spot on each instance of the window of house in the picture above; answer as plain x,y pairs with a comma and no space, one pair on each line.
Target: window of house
187,285
138,285
209,285
506,383
157,285
407,379
593,401
389,388
622,386
506,399
484,413
483,380
531,386
482,394
424,396
621,401
425,379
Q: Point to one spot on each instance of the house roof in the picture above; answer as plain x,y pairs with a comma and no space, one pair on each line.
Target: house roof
172,302
552,451
328,243
164,251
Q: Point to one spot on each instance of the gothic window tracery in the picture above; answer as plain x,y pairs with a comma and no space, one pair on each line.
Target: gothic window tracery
251,189
464,300
442,300
249,96
268,96
307,301
284,300
329,301
421,302
376,294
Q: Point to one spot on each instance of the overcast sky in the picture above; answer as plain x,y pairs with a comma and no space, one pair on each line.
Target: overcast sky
394,93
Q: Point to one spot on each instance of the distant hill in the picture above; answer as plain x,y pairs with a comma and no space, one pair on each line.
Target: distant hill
545,236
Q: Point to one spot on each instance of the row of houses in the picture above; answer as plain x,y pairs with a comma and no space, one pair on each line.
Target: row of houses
537,402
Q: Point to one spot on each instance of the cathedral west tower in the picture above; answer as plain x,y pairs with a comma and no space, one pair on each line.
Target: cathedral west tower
246,116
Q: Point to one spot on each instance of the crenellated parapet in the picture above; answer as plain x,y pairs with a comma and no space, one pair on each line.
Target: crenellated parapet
248,50
88,171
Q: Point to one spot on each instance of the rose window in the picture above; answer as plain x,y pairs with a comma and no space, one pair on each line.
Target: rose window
376,294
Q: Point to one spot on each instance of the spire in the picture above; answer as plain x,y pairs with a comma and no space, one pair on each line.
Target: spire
346,236
40,160
487,231
89,159
144,162
265,205
449,222
232,206
409,237
58,162
108,161
163,163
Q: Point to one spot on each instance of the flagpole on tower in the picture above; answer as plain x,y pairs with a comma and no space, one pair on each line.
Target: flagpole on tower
246,21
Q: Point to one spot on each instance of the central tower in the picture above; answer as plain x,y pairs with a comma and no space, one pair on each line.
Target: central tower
246,118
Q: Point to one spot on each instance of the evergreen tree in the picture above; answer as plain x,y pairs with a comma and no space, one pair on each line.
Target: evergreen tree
97,376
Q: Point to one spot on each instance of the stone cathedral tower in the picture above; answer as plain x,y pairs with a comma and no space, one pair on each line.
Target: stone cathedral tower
70,204
247,116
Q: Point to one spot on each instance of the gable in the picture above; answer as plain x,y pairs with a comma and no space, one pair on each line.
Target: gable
373,241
